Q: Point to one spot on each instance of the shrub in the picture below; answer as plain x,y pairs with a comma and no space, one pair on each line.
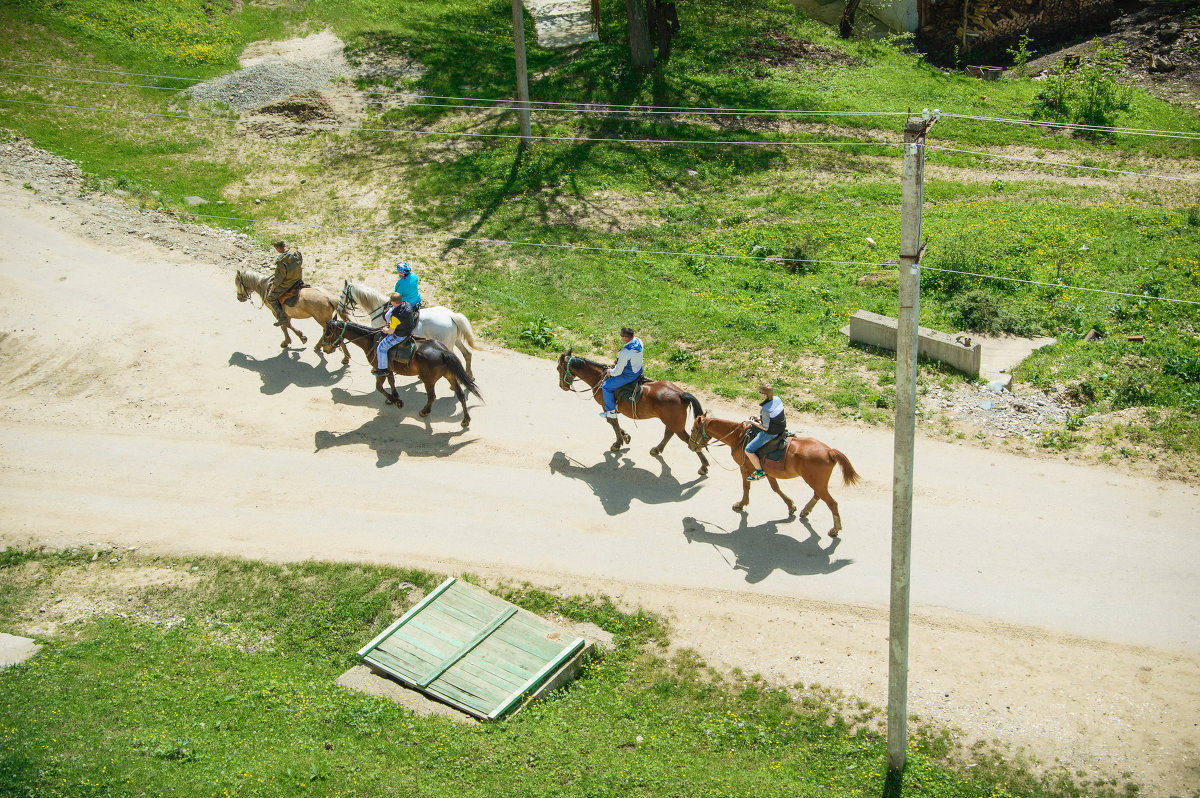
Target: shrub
538,332
983,312
1086,93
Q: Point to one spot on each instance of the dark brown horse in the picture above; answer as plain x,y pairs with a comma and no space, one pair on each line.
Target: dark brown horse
430,362
805,457
663,400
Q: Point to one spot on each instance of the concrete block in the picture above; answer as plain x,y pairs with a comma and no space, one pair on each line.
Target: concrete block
14,650
879,331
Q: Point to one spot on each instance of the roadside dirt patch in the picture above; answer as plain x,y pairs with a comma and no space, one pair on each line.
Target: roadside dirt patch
781,50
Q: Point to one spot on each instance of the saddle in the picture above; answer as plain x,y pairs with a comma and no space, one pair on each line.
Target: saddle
773,450
292,295
631,391
402,353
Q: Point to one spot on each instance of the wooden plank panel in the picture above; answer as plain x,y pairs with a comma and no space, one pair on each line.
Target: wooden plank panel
467,647
425,640
437,591
472,669
472,604
498,650
399,647
436,625
476,705
488,693
522,647
393,665
549,668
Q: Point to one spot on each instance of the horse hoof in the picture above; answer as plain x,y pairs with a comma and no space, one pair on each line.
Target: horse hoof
791,511
423,413
655,452
737,508
704,471
833,533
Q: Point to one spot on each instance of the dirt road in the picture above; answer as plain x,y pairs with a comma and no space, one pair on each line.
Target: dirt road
1055,607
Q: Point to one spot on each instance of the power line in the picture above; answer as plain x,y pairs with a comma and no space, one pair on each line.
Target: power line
95,82
90,69
453,134
1041,162
1060,285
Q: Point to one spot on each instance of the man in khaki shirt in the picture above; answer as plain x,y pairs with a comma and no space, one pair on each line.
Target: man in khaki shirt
288,273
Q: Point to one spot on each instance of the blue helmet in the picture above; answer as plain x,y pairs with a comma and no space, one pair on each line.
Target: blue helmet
404,267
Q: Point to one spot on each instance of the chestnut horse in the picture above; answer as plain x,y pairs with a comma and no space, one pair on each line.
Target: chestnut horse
430,362
805,457
311,303
663,400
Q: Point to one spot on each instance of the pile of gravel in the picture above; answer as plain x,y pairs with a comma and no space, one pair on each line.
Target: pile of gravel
270,82
998,412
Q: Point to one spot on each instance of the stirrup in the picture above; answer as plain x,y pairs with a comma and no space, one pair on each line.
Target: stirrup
759,474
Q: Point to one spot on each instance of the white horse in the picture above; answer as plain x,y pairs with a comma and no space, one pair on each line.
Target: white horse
437,323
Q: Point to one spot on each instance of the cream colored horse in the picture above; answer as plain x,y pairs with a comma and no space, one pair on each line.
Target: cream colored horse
312,303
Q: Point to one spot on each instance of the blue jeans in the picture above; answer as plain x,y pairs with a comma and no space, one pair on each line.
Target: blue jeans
381,351
611,385
762,437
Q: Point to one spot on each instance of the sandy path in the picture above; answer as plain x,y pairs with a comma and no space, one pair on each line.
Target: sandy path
1056,607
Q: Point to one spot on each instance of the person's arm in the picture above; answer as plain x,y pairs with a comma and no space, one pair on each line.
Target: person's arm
622,362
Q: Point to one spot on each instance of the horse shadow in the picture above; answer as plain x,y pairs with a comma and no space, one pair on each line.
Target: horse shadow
389,440
287,369
763,549
413,395
617,481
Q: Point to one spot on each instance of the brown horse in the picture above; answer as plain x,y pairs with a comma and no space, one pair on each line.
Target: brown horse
805,457
430,362
311,303
660,399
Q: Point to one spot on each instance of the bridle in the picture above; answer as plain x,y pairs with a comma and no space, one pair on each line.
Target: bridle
244,291
569,380
338,342
702,442
348,303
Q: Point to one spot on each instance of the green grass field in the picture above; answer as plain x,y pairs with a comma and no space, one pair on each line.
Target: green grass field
220,681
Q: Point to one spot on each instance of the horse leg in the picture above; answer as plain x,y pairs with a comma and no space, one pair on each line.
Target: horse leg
657,450
774,483
462,400
700,452
616,447
745,472
299,334
466,355
811,504
430,394
345,355
823,493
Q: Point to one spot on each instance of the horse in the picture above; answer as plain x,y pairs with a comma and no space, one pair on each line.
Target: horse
430,362
805,457
312,303
663,400
438,323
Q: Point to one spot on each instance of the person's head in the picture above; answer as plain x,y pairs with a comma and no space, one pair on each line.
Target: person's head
395,299
626,334
279,245
404,268
766,391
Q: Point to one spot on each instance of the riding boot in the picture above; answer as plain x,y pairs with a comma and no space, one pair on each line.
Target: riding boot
277,309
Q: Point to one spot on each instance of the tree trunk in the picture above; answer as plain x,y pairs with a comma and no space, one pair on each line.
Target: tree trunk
640,51
846,25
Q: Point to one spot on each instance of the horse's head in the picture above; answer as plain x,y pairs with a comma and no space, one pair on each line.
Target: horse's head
243,292
333,335
346,302
565,377
699,437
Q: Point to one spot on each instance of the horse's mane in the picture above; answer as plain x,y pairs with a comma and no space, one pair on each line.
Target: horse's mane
367,297
360,328
585,360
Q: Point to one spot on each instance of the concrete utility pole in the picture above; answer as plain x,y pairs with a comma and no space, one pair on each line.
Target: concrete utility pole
522,72
911,249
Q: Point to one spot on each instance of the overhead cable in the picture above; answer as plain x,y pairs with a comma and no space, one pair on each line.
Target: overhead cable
1062,164
1062,286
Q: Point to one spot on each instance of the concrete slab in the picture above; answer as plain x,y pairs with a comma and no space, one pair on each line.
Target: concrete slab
365,680
14,650
562,23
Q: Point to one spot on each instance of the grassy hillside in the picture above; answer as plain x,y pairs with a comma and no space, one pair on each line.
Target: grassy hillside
721,323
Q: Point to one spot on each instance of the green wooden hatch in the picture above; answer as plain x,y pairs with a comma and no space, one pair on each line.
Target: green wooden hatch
472,650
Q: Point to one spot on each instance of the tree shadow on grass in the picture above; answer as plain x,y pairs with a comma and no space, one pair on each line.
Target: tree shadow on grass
761,550
286,369
617,481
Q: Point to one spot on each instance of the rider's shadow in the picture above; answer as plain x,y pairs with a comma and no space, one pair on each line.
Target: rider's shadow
445,408
763,549
286,369
617,481
390,439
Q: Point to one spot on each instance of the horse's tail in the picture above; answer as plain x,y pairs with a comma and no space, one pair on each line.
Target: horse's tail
464,329
460,373
693,403
849,475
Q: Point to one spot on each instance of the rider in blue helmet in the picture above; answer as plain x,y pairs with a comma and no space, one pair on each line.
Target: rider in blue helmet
406,286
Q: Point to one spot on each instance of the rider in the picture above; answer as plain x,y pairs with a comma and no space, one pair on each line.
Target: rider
406,286
288,274
770,424
400,323
627,369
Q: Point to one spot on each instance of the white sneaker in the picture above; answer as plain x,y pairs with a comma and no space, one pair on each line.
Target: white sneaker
609,414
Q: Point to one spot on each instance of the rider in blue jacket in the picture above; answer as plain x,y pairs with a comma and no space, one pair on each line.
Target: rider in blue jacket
627,369
406,286
770,423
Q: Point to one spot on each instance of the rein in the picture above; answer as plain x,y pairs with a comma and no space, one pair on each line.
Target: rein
569,380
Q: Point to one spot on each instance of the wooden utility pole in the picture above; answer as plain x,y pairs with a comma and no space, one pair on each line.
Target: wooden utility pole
522,73
911,249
